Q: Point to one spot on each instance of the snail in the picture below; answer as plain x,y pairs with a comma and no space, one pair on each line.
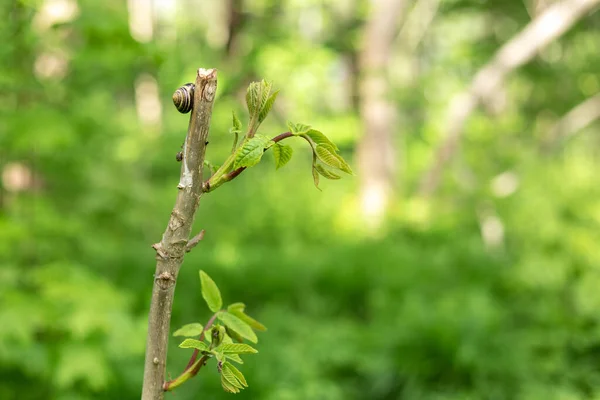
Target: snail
183,98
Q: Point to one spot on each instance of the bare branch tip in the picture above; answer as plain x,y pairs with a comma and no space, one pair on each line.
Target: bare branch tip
210,73
194,241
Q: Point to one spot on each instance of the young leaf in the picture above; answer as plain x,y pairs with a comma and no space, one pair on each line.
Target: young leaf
315,175
267,106
250,153
344,165
237,124
326,173
210,292
235,357
320,138
283,154
218,355
236,307
194,344
226,338
327,156
253,97
238,326
213,168
189,330
228,387
265,88
298,129
237,348
234,335
228,374
236,372
249,320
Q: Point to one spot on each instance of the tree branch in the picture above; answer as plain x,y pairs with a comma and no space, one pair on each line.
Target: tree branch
194,241
574,121
171,249
549,26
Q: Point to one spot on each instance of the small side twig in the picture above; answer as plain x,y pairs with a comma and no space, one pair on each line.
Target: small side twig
194,241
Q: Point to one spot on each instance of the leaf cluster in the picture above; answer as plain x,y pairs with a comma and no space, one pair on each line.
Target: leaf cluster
326,158
259,101
225,341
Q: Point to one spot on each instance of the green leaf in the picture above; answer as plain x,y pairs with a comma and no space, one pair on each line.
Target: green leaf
234,335
283,154
265,90
237,124
219,355
231,378
250,153
326,173
228,387
189,330
236,372
320,138
253,97
213,168
235,357
226,338
345,167
238,326
327,156
210,292
193,344
236,307
249,320
298,129
315,175
267,106
237,348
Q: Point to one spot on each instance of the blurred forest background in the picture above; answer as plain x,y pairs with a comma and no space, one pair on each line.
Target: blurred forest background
462,262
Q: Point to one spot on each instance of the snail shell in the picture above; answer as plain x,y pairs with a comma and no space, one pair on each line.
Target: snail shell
183,98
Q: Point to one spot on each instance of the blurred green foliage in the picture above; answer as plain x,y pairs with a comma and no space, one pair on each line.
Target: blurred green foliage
422,309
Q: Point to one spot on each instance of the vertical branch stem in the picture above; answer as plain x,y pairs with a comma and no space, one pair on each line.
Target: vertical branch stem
171,249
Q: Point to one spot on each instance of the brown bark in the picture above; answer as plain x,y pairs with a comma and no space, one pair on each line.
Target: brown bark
172,248
540,32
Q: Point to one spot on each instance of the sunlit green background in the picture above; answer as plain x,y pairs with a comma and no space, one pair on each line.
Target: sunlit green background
489,288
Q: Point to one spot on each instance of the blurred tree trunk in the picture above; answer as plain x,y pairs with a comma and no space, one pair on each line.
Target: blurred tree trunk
536,35
235,23
376,156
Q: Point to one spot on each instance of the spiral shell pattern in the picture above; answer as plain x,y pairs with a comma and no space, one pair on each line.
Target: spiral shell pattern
183,98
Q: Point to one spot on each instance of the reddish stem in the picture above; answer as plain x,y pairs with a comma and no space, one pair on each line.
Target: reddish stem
238,171
201,338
